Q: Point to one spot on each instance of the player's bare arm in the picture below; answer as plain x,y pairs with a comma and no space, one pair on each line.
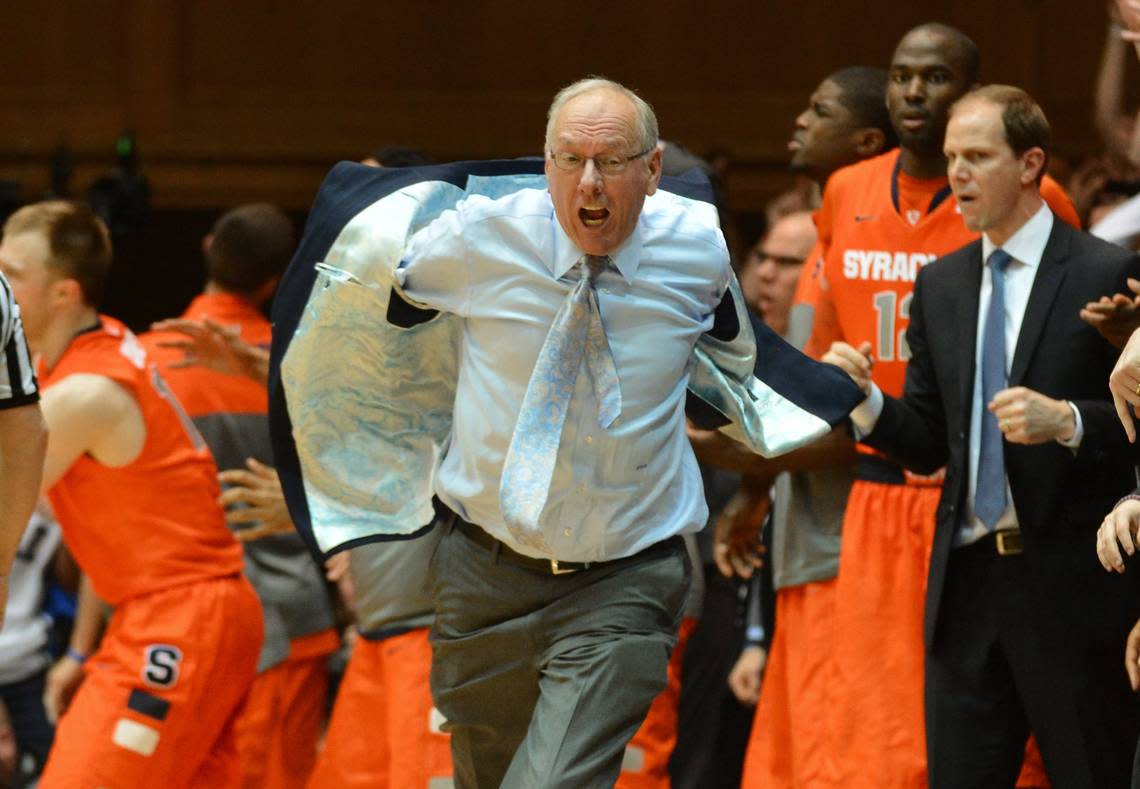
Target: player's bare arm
90,414
714,448
66,675
215,347
736,539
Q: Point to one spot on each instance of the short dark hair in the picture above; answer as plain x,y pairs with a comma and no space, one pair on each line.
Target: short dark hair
79,246
960,47
401,156
251,245
863,91
1022,118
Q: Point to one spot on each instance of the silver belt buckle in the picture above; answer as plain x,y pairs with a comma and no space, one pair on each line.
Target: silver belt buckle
556,570
1009,542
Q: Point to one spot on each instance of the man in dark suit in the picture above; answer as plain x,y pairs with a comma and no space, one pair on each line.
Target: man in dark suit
1006,388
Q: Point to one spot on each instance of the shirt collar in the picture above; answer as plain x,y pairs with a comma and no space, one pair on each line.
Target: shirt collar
1027,245
626,259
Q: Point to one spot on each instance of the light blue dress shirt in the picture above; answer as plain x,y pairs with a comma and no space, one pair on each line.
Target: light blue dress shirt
504,266
371,399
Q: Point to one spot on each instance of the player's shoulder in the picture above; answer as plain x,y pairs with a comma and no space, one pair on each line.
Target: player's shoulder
108,349
950,264
866,171
87,395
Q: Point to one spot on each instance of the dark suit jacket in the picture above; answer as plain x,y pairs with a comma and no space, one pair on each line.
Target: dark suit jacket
1060,496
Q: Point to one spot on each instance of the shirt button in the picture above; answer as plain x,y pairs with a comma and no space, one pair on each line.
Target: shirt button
567,532
589,439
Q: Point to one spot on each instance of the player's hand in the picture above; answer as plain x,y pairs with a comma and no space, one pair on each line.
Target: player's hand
336,567
63,680
856,362
1128,12
1117,316
337,572
736,541
744,679
1132,656
1028,417
205,344
1124,383
254,496
1117,532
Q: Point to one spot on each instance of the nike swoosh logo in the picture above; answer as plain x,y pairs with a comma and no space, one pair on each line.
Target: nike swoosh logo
865,217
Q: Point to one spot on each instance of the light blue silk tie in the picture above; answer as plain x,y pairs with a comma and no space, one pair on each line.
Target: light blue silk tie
576,334
990,496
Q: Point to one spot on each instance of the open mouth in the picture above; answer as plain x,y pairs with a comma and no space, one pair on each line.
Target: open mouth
592,217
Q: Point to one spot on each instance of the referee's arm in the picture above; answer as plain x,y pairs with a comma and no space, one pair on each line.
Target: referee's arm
23,437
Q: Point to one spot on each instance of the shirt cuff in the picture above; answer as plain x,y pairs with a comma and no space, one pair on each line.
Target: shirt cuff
866,415
1074,442
400,282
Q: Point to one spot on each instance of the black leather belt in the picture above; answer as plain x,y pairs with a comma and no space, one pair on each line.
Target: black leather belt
552,566
1002,542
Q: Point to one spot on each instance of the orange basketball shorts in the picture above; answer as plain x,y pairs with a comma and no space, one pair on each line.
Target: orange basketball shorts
788,746
384,732
159,697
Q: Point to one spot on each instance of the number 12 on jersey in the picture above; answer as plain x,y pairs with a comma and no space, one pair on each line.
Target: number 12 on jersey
891,340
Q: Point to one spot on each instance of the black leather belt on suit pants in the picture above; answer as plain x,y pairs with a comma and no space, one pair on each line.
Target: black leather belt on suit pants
480,537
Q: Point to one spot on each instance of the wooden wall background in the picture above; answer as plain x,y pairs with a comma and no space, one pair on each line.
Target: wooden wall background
237,100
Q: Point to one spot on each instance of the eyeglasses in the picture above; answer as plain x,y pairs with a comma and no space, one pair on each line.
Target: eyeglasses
606,165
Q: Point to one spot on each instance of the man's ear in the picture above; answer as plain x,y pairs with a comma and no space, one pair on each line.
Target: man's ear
654,161
67,291
1032,163
869,141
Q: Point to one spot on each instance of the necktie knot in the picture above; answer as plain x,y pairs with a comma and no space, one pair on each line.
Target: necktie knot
594,266
1000,260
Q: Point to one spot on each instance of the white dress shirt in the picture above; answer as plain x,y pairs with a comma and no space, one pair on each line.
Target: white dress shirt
1026,248
504,266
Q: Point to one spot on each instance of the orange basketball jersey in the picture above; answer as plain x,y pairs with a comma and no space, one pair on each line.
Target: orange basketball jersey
202,391
872,252
154,523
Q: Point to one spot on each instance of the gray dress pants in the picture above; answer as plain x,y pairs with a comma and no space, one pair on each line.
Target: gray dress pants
544,678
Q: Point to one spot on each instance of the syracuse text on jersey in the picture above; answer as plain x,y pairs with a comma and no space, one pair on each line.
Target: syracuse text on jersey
880,265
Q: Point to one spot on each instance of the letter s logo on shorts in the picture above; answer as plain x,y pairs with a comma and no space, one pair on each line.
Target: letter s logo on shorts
160,666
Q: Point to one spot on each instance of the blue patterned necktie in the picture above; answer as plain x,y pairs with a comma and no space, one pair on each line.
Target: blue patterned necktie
576,334
990,496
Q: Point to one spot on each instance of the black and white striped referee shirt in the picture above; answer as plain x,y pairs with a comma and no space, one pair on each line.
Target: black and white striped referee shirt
17,375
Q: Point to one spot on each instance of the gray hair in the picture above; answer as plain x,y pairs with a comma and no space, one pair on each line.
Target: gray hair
646,120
